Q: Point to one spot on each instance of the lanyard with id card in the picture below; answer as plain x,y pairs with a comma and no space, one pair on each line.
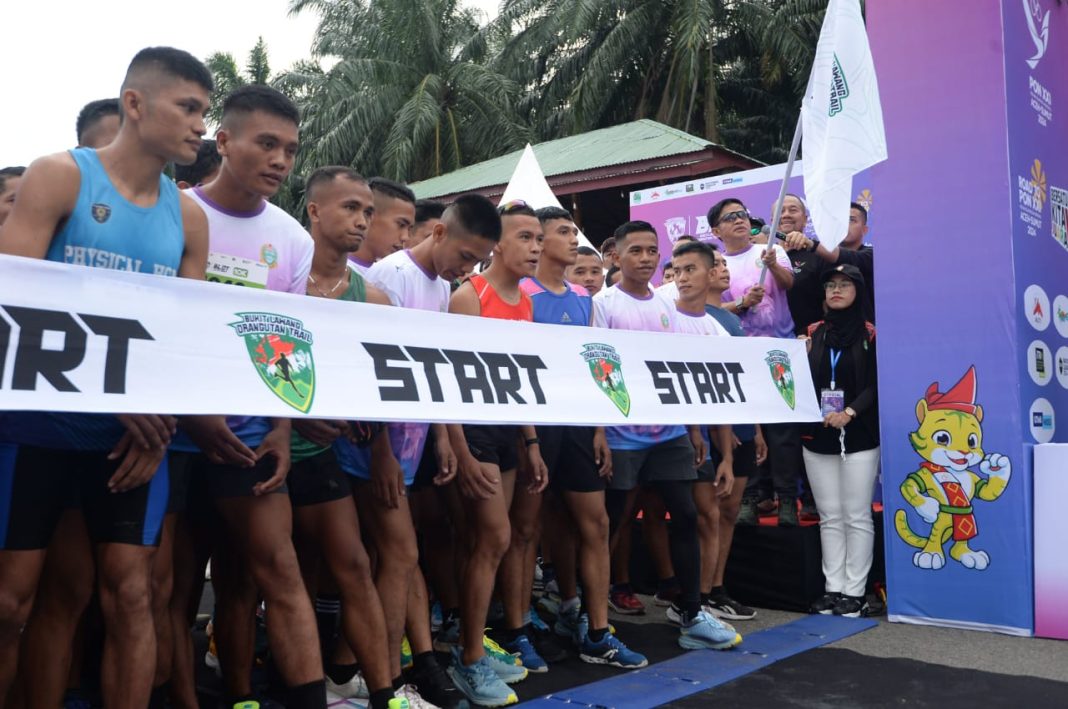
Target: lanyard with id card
832,400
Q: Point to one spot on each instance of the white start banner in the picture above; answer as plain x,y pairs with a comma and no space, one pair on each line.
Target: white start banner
92,340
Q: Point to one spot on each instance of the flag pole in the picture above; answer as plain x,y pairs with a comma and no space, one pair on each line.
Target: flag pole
782,194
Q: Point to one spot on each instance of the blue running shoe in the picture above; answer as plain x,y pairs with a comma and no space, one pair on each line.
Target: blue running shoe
535,619
706,631
504,663
610,651
528,656
480,683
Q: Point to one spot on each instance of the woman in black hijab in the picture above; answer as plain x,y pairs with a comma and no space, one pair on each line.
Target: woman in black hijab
842,453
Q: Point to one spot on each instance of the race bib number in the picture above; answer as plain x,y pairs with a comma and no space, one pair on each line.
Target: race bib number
832,401
236,271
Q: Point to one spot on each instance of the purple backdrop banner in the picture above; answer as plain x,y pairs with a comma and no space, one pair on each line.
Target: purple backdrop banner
970,104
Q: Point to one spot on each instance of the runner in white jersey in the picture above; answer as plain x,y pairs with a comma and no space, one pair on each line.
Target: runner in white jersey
240,463
417,278
391,228
661,458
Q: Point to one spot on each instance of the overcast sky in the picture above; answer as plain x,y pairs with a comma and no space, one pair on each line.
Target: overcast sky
57,55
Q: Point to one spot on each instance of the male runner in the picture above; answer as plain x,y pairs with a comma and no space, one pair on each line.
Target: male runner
389,232
487,460
416,278
107,208
694,265
242,462
203,170
98,123
579,460
340,208
661,458
427,216
587,271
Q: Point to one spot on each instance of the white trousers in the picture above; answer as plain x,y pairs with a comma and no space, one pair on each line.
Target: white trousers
843,493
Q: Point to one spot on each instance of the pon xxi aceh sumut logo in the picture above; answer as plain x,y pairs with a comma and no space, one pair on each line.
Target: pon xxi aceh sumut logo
606,368
281,350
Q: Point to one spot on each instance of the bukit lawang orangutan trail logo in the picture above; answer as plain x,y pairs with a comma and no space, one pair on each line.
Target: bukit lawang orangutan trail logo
839,89
606,368
281,350
783,375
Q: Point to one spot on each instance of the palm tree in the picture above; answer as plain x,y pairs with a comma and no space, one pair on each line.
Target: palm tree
228,77
410,95
587,65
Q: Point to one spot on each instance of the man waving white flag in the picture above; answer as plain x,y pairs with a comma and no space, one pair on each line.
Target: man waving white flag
842,119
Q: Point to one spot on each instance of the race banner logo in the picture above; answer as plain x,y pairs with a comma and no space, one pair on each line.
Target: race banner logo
1038,26
606,368
280,349
839,88
783,375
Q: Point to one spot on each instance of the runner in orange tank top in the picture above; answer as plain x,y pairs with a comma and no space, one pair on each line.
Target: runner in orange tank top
488,457
492,305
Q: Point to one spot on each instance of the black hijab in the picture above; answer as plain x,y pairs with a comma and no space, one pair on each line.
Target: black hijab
846,326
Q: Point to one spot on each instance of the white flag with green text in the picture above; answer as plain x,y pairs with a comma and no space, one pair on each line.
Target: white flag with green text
842,119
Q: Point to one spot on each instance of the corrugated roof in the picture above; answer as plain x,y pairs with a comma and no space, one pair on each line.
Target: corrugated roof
626,143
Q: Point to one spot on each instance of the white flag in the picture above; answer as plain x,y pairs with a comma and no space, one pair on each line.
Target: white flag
528,183
842,119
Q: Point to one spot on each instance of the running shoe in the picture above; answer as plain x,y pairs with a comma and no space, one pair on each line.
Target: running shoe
747,514
505,664
610,651
824,605
535,621
528,656
449,634
624,601
852,606
705,631
406,653
666,596
434,686
437,617
480,683
211,657
411,695
723,606
674,616
567,624
355,688
399,703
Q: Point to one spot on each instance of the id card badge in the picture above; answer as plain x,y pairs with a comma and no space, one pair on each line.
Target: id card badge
832,401
237,271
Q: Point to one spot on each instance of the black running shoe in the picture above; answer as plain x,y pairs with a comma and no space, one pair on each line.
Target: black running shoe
435,687
725,607
852,607
546,644
826,604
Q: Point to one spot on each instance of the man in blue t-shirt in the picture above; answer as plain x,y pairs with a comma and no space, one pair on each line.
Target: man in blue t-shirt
579,461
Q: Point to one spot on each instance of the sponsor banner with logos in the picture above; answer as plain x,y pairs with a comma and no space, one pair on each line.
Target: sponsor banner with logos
91,340
682,208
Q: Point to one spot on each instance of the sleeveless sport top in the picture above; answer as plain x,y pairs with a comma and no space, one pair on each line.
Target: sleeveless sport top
300,448
105,230
493,306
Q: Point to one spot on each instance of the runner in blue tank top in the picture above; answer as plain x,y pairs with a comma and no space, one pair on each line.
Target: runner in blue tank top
108,209
579,459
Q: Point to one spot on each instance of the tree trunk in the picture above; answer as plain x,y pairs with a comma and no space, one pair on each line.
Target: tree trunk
711,109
